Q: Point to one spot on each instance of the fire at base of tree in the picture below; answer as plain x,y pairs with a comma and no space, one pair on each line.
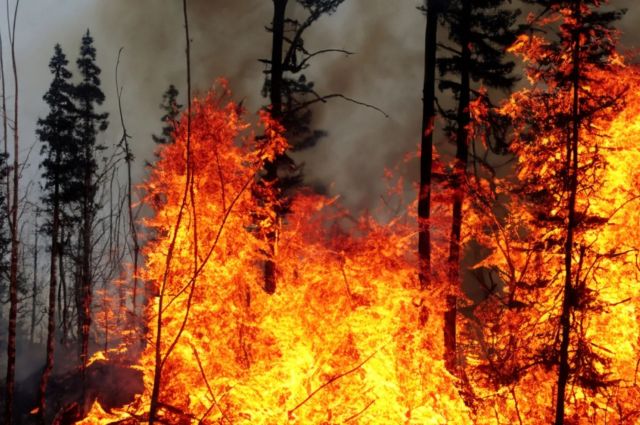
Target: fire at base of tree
349,336
243,297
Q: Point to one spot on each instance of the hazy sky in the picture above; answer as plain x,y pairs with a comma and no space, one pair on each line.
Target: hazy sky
228,39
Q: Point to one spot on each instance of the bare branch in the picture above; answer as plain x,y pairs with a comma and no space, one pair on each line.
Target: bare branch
329,382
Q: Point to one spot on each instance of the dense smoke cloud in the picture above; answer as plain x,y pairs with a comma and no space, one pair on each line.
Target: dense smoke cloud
228,38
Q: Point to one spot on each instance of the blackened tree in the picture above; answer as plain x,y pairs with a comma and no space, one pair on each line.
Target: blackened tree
432,9
171,109
570,63
90,123
56,132
479,33
4,230
290,95
556,234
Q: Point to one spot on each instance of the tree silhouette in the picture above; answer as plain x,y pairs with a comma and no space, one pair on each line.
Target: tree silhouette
56,132
90,123
171,109
290,95
479,33
555,238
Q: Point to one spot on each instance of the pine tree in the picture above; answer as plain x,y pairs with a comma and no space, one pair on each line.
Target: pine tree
171,109
552,241
56,132
289,90
479,33
571,65
88,96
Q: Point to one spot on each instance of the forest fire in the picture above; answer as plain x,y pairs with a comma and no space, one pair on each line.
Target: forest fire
340,341
498,282
349,337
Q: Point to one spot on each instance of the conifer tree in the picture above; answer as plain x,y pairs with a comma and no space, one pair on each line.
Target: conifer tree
90,123
553,246
290,95
171,109
570,64
56,132
479,33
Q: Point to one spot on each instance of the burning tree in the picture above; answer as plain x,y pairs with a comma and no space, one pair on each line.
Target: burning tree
337,342
479,33
565,271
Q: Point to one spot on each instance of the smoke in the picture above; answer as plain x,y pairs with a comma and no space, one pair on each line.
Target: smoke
228,38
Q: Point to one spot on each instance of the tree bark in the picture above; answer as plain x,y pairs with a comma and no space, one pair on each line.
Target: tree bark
458,187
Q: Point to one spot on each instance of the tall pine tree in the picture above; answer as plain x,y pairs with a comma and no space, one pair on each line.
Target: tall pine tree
56,132
569,65
479,33
553,251
90,123
290,95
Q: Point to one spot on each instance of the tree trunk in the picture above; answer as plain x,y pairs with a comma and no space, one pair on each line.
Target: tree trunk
134,230
275,97
458,187
572,172
13,270
84,308
426,156
34,289
62,291
51,323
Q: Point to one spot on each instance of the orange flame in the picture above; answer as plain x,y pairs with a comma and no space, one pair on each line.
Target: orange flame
346,339
337,343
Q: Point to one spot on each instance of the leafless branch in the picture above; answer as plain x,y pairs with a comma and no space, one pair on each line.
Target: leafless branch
329,382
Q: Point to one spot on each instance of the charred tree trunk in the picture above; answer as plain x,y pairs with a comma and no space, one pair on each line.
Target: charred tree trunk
13,268
426,157
572,173
458,186
34,289
51,313
84,307
275,97
62,291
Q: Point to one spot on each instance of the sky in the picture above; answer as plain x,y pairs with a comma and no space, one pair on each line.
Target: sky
228,38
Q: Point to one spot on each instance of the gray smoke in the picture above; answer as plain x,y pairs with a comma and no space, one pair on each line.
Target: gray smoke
228,38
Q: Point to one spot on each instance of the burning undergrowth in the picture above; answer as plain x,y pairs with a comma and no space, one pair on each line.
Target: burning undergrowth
347,337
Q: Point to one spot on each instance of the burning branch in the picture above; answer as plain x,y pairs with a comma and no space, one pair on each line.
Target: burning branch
329,382
206,381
